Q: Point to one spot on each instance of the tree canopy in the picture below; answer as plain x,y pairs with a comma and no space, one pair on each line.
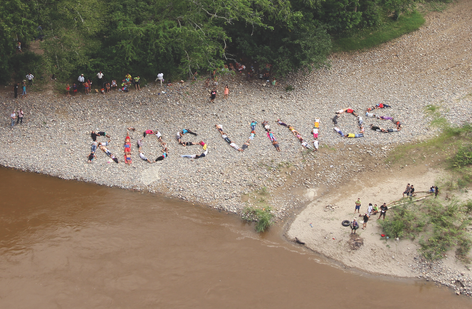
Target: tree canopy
180,37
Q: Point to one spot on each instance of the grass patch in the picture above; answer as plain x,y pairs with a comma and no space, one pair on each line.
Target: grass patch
403,222
442,227
370,37
263,217
448,224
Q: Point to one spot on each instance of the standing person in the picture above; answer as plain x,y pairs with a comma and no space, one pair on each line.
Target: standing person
13,118
160,77
213,95
19,46
100,78
21,114
30,78
81,80
86,87
23,95
412,191
15,90
407,190
74,88
370,208
90,84
436,191
366,218
383,211
358,205
136,82
68,90
226,92
354,226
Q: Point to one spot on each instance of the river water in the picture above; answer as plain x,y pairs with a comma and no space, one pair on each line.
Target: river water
66,244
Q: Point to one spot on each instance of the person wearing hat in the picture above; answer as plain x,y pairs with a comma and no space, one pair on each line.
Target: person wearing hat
81,80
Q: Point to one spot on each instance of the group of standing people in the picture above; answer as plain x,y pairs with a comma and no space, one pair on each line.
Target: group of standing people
371,210
17,117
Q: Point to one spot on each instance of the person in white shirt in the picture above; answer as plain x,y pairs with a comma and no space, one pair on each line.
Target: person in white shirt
160,77
143,157
100,79
81,78
30,78
13,118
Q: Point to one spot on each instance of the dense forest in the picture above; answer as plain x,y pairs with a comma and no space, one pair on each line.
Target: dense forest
177,37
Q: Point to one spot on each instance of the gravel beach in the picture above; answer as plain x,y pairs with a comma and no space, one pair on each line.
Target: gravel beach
431,66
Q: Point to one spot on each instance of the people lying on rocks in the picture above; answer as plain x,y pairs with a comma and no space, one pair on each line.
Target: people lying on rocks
143,157
392,130
148,132
377,128
94,146
158,135
382,105
225,137
281,123
185,131
178,137
108,153
235,147
316,145
315,133
351,111
245,145
341,111
91,156
163,156
385,117
271,136
266,126
253,125
299,137
127,144
190,143
219,127
203,144
360,121
353,135
105,143
195,156
317,123
253,133
335,119
369,114
202,155
338,131
398,124
306,145
276,145
94,135
139,143
127,158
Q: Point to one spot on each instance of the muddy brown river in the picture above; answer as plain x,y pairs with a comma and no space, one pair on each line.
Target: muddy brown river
66,244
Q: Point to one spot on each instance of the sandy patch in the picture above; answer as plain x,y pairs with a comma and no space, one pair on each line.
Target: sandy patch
320,226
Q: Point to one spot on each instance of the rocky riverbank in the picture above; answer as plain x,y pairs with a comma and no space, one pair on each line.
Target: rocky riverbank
428,67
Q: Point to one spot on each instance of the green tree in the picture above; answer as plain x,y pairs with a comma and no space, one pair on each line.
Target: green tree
17,23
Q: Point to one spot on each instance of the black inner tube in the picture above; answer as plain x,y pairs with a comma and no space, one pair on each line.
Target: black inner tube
346,223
